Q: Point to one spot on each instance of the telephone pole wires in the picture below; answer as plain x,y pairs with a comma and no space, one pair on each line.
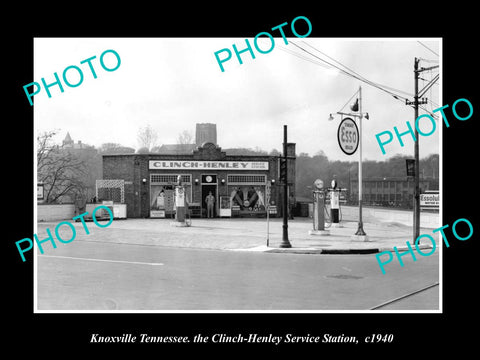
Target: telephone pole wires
416,101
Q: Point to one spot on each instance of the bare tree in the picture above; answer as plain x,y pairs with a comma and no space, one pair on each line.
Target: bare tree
61,171
185,137
147,137
114,148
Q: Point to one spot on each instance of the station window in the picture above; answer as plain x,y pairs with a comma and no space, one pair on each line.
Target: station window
247,192
169,179
248,197
247,179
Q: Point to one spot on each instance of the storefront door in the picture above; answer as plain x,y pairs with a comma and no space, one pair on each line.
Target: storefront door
206,190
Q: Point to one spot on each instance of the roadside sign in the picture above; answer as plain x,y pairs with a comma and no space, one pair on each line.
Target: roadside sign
410,167
430,200
348,136
268,190
267,195
40,189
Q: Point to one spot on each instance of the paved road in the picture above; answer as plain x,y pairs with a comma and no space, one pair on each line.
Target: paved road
86,275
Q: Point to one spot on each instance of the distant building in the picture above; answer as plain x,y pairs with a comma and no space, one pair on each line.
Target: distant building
206,132
392,191
68,143
238,182
174,149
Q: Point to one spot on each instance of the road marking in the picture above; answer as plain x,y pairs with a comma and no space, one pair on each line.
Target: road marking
103,260
404,296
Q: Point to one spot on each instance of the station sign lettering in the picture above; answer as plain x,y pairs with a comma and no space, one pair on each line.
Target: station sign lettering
348,136
189,164
430,200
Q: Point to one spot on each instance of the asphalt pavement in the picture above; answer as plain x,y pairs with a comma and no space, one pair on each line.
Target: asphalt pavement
225,264
123,277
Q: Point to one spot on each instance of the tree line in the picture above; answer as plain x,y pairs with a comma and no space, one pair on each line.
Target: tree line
70,173
309,168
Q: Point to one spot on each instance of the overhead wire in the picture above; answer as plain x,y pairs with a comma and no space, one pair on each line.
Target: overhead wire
429,60
304,57
348,101
428,86
432,103
354,74
365,79
425,46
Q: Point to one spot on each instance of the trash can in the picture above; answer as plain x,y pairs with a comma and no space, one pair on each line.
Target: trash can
303,209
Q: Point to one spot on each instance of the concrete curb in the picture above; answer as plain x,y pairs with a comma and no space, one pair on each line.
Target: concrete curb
328,251
324,251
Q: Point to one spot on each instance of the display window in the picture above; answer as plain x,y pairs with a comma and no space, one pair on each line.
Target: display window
248,198
247,192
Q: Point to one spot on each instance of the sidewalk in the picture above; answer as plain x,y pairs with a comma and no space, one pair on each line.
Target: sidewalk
380,237
251,235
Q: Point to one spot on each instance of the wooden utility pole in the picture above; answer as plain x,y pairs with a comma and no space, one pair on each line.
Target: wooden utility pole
416,191
415,103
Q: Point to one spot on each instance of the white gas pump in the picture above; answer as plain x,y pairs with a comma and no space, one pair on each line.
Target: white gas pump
335,203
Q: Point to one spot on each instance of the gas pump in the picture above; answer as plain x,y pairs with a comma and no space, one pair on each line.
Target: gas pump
318,210
335,203
180,204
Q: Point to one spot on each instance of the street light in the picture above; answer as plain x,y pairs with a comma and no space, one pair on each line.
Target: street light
357,108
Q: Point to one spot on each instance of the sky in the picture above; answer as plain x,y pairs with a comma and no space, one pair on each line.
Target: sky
173,83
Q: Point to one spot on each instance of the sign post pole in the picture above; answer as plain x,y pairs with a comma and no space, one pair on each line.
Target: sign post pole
349,138
285,242
360,232
267,207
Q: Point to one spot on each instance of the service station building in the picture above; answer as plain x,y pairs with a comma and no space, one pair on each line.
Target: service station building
239,183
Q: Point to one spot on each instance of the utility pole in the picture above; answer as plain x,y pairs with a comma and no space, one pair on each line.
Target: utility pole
416,191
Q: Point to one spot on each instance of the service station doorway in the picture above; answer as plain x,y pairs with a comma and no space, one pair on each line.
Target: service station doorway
209,184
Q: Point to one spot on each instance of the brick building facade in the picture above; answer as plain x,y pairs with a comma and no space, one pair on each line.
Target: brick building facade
238,182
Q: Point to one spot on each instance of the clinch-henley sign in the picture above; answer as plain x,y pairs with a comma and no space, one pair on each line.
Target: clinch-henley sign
189,164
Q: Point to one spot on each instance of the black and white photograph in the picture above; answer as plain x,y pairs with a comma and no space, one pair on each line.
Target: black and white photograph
220,179
234,186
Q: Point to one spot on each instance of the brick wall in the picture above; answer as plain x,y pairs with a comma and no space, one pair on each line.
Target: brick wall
55,212
133,168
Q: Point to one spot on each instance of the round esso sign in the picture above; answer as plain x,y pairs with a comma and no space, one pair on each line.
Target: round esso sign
348,136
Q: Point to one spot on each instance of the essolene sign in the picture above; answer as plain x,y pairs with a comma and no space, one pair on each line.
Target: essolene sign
348,137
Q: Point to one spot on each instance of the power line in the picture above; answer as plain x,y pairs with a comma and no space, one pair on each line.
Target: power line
425,46
429,60
338,62
348,101
354,75
428,86
304,58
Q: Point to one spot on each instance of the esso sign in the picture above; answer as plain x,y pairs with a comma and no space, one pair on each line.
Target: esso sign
348,137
